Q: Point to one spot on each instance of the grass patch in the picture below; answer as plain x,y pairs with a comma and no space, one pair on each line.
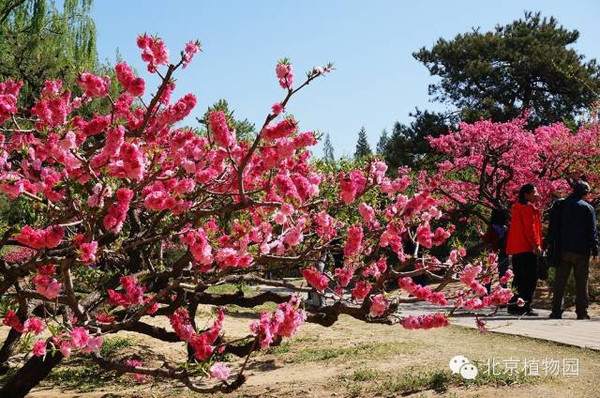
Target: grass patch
112,346
363,375
81,378
282,348
230,288
237,310
309,338
362,351
417,380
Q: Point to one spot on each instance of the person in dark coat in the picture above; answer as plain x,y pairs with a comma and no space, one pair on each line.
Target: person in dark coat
574,231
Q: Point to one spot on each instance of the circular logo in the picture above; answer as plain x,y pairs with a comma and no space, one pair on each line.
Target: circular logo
457,362
469,371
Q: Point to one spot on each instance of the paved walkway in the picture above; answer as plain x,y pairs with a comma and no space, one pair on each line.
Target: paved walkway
569,330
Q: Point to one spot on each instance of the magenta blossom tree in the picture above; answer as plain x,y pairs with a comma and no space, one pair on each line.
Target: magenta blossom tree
136,218
489,162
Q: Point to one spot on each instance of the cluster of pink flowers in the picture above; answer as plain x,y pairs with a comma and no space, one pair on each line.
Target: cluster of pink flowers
282,215
161,195
469,278
218,124
315,278
98,195
284,322
135,363
11,319
297,186
293,236
220,371
352,185
379,305
47,238
284,70
132,295
44,282
178,111
77,339
326,225
133,85
375,269
104,317
425,321
13,188
39,348
197,241
498,296
191,48
154,51
94,86
180,322
283,129
456,255
353,243
361,290
345,274
112,145
368,214
228,257
422,292
9,91
506,277
53,106
277,108
32,325
201,343
87,250
117,213
428,239
130,163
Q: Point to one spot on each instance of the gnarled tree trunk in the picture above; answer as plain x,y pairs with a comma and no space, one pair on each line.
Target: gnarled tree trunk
35,370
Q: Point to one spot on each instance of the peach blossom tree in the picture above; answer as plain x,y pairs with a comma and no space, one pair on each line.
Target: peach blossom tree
133,217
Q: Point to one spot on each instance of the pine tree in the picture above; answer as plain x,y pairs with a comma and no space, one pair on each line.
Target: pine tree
408,144
383,141
529,64
362,146
328,155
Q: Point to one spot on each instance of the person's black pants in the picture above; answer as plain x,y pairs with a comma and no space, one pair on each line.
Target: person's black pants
581,269
525,268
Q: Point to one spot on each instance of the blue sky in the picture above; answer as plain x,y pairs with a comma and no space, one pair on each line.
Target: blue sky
376,80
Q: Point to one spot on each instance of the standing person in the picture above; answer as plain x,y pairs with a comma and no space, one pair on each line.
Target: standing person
495,239
573,228
524,243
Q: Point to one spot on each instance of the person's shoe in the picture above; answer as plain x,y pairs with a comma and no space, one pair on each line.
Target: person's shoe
531,313
583,316
555,315
515,311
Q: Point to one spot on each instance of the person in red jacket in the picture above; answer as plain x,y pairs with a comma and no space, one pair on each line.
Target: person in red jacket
524,243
